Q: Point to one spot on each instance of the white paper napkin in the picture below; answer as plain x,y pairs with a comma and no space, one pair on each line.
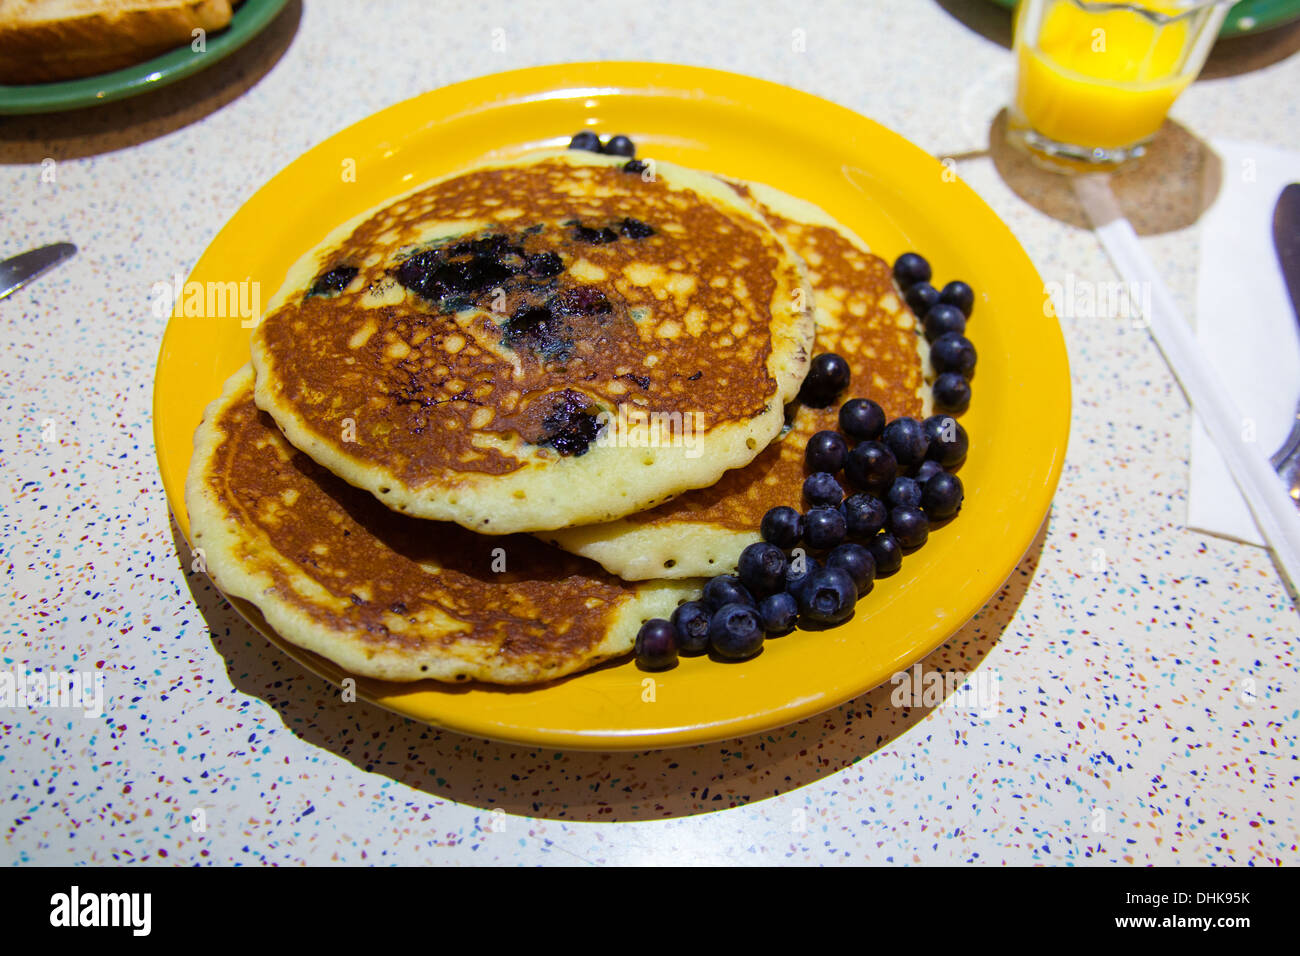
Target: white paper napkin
1246,325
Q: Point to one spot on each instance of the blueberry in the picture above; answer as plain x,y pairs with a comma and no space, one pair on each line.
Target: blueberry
857,562
948,440
581,299
777,612
828,375
336,280
927,470
942,496
829,596
782,526
656,645
826,451
635,228
762,568
904,493
861,418
885,548
959,294
691,622
953,353
544,264
910,526
726,589
821,490
824,528
735,632
620,146
921,297
906,439
943,319
569,422
864,515
586,140
871,467
909,269
597,237
951,393
795,580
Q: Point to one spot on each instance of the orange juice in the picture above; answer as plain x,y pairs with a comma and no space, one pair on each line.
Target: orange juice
1099,78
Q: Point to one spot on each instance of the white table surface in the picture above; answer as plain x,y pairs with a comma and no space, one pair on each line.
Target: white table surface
1148,711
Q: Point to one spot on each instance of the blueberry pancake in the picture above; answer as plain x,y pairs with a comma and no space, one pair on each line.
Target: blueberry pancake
388,596
538,344
860,316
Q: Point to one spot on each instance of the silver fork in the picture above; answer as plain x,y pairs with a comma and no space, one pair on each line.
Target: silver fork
1291,446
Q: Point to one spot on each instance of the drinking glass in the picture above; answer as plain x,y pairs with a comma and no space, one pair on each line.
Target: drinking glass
1095,80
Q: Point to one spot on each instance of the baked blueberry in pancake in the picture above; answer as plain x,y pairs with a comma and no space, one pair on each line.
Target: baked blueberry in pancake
860,316
541,343
385,595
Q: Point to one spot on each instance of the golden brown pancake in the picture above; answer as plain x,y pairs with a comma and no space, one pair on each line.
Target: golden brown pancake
860,316
389,596
463,353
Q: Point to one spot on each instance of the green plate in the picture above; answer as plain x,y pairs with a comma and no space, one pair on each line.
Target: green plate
249,19
1248,16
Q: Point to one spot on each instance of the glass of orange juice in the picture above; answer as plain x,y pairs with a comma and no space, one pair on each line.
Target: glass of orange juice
1096,79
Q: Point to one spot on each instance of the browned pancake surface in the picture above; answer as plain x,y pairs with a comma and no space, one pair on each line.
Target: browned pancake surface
388,595
859,317
423,377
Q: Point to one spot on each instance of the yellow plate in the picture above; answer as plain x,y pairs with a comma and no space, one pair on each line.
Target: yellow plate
893,194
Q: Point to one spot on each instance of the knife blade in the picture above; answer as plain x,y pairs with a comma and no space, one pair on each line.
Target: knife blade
1286,243
1286,239
24,267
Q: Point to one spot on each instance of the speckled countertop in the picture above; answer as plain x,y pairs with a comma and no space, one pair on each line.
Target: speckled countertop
1148,706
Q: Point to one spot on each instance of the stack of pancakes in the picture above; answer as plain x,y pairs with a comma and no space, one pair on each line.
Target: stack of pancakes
492,427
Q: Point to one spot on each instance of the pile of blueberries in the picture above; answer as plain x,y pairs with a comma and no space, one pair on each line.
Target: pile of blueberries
943,314
811,567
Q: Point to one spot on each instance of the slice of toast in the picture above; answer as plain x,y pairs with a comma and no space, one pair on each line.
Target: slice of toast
47,40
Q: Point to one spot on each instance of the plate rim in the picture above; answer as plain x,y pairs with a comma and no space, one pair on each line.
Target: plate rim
248,20
485,91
